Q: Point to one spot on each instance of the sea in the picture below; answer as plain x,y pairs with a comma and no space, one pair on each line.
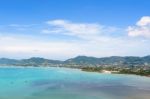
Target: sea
64,83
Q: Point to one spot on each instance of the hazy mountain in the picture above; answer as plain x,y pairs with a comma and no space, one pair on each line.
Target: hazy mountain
8,61
80,61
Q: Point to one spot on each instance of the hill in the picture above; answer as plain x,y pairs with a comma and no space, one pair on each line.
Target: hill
80,61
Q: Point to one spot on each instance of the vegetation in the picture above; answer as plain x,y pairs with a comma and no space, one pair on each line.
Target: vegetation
136,71
92,69
82,61
123,65
141,72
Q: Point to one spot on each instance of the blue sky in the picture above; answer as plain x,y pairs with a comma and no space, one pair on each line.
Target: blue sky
109,12
60,29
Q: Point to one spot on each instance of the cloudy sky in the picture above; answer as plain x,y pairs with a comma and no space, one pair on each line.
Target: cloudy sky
60,29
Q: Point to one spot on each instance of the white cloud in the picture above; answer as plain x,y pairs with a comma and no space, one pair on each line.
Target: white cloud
24,47
29,47
77,28
92,42
144,21
22,25
87,31
142,28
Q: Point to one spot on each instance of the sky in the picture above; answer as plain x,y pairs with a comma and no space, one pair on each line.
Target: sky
62,29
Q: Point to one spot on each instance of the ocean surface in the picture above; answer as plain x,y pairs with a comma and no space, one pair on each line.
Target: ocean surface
64,83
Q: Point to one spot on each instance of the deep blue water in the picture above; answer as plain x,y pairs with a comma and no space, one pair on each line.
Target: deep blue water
64,83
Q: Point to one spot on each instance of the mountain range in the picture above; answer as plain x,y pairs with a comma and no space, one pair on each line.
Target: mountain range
80,61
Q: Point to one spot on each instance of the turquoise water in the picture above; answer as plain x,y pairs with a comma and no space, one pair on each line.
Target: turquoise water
64,83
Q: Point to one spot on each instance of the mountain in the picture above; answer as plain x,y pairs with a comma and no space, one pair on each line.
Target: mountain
7,61
34,61
146,59
80,61
113,60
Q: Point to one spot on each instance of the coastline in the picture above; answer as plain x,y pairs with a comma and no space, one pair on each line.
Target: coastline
109,72
38,67
102,71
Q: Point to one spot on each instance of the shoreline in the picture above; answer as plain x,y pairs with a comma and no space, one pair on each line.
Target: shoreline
109,72
103,71
37,67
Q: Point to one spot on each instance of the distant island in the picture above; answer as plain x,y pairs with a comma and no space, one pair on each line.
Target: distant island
115,64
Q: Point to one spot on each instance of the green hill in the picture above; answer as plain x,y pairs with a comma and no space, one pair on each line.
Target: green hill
80,61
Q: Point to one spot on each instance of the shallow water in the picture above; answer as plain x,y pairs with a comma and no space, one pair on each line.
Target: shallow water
64,83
